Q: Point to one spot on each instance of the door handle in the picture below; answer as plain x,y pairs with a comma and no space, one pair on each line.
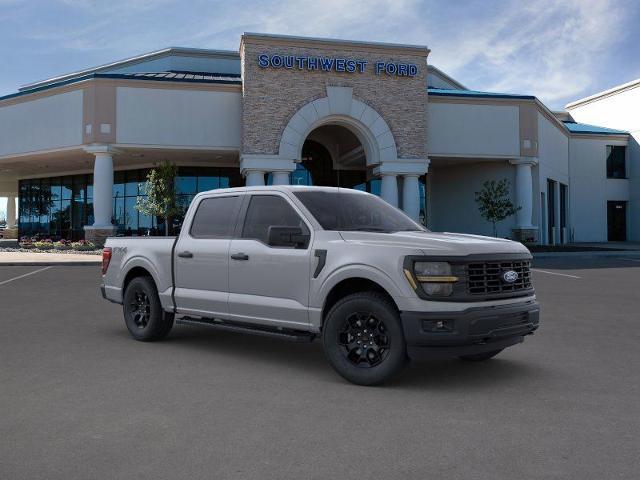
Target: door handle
185,255
240,256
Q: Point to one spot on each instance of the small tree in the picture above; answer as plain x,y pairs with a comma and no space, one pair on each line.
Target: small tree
494,202
161,199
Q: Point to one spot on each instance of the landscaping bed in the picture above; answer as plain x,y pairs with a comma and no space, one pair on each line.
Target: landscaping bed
38,245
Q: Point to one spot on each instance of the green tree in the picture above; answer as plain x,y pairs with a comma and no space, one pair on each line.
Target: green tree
161,199
494,202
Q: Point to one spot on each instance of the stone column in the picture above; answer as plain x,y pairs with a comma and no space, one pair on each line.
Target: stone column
11,232
280,178
254,178
525,231
410,170
253,166
11,212
102,194
389,188
411,196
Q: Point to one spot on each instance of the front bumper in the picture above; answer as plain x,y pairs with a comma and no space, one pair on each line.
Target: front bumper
474,330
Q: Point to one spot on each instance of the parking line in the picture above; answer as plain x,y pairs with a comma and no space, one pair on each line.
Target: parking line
25,275
555,273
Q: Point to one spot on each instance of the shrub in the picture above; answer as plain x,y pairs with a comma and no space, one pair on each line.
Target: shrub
83,245
43,244
62,245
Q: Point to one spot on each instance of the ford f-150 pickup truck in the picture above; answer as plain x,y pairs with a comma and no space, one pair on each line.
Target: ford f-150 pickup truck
339,264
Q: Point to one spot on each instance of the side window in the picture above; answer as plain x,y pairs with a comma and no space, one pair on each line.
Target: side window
616,165
269,210
215,217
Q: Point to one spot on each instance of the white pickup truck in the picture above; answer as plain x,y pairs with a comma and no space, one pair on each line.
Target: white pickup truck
343,265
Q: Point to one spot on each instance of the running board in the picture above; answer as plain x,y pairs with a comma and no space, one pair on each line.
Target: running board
291,335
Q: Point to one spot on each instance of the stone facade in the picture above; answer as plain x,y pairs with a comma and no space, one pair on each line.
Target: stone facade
272,95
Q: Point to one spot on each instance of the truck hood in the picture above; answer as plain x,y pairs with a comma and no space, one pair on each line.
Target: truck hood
451,244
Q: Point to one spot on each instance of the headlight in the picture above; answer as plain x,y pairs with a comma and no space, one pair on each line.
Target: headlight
435,278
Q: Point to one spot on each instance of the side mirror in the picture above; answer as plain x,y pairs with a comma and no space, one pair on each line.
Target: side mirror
287,237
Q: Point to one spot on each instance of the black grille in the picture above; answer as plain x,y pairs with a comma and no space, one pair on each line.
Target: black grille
483,278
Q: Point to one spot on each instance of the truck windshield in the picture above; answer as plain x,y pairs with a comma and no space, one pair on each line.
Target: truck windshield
355,212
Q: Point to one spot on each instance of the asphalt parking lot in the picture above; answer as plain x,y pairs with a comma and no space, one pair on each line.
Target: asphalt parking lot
80,400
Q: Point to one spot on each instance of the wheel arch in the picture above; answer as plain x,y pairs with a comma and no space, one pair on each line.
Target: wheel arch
350,285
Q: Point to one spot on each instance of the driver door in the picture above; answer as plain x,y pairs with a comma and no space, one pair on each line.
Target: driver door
269,285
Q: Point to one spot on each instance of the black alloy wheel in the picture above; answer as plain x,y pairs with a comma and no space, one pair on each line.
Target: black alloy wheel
140,308
144,316
364,339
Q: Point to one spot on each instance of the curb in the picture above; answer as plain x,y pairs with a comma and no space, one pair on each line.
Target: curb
617,253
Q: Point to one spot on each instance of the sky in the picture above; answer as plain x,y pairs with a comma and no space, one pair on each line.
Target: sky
557,50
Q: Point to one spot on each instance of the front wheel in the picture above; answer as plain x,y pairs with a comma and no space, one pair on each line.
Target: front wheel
363,338
143,313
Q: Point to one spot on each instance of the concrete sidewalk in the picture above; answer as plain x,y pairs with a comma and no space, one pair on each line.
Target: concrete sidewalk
33,258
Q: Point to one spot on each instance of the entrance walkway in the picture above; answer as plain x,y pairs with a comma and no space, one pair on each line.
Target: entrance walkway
33,258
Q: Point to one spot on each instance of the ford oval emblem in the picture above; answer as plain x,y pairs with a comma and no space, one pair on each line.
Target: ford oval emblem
509,276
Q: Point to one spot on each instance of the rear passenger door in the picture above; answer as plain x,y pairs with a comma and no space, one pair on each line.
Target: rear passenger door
269,285
202,257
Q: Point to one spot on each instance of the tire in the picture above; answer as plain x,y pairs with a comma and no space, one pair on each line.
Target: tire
143,313
480,357
386,353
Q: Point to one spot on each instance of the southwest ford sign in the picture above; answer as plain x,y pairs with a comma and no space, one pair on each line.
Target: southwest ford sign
333,64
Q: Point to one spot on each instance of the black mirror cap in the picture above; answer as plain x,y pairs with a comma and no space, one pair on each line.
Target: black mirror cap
284,236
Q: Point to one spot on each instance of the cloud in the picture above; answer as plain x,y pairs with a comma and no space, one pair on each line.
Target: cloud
551,49
557,50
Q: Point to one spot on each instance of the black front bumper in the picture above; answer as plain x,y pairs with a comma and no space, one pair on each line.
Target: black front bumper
475,330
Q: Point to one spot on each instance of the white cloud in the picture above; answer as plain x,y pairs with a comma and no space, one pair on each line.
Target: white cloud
546,48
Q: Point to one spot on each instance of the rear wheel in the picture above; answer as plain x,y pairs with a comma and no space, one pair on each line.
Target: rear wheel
480,357
363,338
143,313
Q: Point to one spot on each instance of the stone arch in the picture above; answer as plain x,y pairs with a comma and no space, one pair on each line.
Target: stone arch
340,108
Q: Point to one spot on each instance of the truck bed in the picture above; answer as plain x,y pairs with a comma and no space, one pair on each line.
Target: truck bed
153,254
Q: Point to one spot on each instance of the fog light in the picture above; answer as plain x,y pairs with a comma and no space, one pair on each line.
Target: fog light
440,289
438,326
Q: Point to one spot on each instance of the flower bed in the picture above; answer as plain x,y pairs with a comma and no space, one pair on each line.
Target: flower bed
47,245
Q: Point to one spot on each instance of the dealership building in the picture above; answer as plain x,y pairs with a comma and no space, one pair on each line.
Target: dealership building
75,149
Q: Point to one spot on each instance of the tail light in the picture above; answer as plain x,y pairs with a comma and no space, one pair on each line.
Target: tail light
106,258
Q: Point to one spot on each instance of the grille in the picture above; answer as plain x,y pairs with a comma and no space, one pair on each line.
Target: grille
484,278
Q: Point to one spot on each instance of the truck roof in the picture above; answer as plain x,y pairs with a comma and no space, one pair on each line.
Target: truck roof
283,188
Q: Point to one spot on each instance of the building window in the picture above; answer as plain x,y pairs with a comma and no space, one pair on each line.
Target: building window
60,207
616,161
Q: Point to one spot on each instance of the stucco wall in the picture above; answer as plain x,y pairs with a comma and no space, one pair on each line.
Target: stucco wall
590,189
271,96
191,118
453,207
620,111
45,123
470,129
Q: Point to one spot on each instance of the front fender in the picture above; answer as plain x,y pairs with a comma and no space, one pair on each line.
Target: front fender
346,272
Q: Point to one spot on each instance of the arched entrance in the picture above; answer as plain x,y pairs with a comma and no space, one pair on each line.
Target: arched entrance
340,140
333,156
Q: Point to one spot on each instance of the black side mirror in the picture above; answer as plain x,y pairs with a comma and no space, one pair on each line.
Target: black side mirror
288,237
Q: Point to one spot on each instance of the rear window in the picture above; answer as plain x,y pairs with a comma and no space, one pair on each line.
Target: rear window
215,217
